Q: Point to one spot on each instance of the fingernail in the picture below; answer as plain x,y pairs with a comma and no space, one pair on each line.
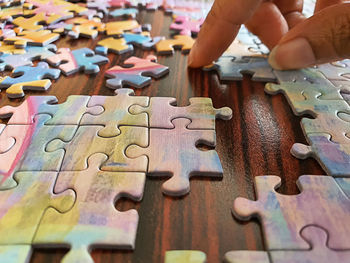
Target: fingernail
293,54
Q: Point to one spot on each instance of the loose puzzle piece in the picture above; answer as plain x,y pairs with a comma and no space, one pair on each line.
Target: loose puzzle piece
29,78
124,12
10,49
83,59
185,256
201,112
85,27
28,153
180,158
89,142
15,253
320,253
114,45
339,70
61,28
87,225
38,38
116,112
68,113
150,44
30,24
22,207
5,33
119,27
246,256
167,46
186,26
320,200
333,157
229,68
137,76
7,14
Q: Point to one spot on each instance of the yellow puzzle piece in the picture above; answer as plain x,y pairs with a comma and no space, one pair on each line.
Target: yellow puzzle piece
114,45
118,27
10,49
41,38
166,46
17,90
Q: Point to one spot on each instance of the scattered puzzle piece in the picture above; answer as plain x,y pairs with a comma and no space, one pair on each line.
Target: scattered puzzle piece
124,12
167,46
320,200
185,256
116,112
15,253
83,59
93,213
137,76
114,45
186,26
10,49
150,44
119,27
89,142
246,256
68,113
23,206
38,38
7,14
180,158
32,23
201,112
29,78
85,27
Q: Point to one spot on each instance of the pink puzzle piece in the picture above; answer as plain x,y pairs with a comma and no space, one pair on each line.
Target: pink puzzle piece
179,157
186,25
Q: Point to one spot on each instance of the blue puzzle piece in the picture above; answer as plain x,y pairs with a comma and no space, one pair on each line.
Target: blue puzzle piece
137,39
132,12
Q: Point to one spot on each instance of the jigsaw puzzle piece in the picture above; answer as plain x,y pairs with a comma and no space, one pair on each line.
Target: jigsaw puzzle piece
239,51
150,44
320,199
37,38
320,253
124,12
229,68
83,59
29,78
68,113
167,46
15,253
10,49
184,25
22,207
246,256
85,27
114,45
180,158
9,62
7,14
105,227
137,76
33,23
201,112
334,158
89,142
185,256
116,112
119,27
339,70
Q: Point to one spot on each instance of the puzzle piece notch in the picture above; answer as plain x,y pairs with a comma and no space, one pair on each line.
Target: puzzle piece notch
137,76
116,112
167,46
68,113
320,199
101,227
186,26
180,158
161,111
83,59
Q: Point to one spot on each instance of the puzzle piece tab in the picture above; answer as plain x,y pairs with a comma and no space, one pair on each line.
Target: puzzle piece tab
83,59
167,46
179,158
137,76
93,213
320,200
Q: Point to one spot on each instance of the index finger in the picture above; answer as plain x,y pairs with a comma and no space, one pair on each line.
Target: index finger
219,29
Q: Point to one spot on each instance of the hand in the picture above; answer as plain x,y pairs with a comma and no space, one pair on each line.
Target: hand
295,42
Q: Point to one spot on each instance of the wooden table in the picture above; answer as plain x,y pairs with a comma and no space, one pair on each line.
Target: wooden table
256,141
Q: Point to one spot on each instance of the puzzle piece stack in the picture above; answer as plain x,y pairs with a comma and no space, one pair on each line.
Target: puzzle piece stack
67,164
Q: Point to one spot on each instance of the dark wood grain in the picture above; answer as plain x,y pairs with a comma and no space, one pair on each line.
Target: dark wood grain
256,141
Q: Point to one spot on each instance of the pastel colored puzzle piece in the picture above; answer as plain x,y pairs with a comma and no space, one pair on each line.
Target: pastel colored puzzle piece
339,70
119,27
89,142
10,49
114,45
32,196
161,111
138,76
167,46
334,158
150,44
15,253
185,256
83,27
87,225
116,112
124,12
180,158
68,113
29,152
320,199
83,59
239,51
7,14
33,23
38,38
29,78
229,68
246,256
6,32
186,26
